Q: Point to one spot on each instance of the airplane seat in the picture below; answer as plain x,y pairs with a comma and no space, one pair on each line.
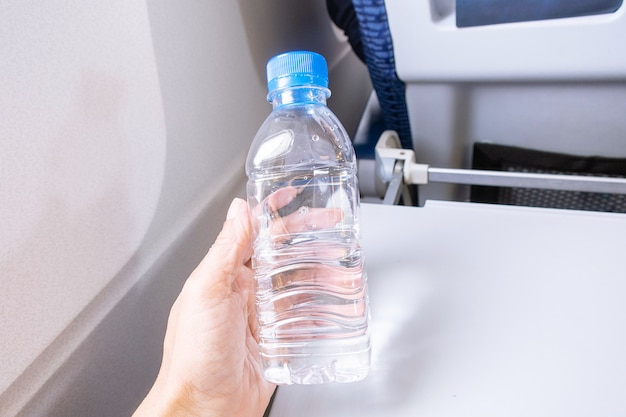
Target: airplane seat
544,76
379,56
489,12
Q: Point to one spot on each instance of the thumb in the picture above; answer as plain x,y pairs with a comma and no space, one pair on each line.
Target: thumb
232,248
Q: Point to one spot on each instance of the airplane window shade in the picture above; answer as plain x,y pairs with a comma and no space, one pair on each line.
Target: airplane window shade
489,12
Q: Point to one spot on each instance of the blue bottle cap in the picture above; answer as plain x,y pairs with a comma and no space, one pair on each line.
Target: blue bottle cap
297,68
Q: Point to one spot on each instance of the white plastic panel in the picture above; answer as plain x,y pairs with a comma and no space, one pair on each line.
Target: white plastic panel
429,47
486,310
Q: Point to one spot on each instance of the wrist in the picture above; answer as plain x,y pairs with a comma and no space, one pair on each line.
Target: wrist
162,402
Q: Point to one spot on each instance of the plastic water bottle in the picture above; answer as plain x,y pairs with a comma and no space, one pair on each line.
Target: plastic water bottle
311,296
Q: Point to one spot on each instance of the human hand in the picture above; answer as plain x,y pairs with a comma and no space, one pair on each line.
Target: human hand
211,365
289,215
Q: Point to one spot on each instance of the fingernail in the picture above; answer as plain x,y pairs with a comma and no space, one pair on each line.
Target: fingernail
235,207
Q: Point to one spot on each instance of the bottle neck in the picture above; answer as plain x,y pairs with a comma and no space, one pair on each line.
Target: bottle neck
298,95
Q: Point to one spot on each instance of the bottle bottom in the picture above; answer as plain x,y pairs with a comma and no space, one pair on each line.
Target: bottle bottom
316,362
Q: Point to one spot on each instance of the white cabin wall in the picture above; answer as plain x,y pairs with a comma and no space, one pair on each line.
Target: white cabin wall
208,61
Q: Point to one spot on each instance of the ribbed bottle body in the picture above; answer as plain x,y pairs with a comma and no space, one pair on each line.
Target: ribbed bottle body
311,296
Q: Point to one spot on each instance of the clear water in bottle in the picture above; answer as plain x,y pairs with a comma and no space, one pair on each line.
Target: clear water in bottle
312,301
